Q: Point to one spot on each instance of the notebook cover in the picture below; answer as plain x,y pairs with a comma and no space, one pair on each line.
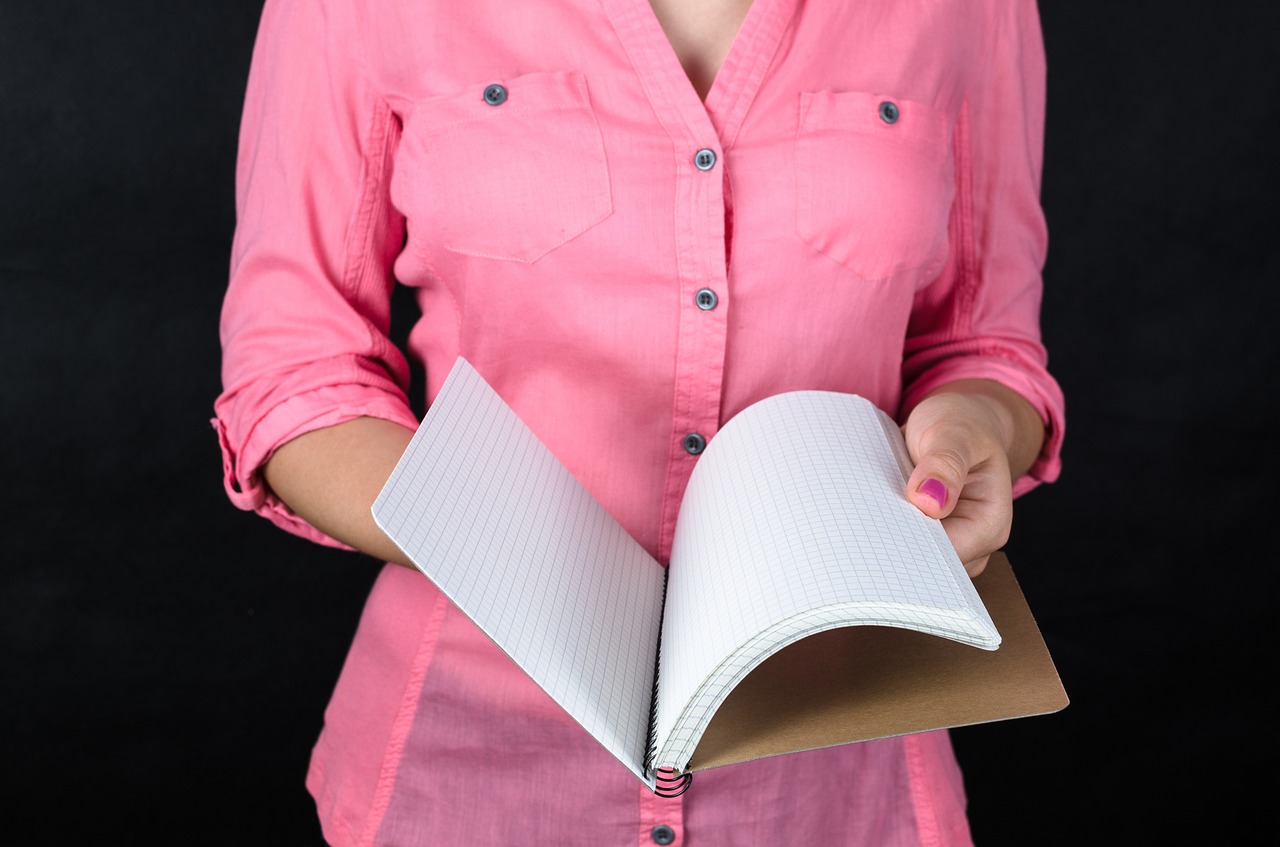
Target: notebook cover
863,682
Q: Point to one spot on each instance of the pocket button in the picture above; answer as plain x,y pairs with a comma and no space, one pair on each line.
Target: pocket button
889,112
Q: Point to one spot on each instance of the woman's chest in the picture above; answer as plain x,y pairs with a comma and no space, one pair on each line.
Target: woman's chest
825,134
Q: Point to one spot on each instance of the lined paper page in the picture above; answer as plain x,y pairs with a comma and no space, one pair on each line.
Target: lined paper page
795,520
486,511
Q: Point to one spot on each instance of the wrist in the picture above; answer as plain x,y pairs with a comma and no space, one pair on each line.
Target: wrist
1013,421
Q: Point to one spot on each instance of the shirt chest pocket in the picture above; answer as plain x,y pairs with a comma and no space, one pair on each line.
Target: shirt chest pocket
508,169
874,182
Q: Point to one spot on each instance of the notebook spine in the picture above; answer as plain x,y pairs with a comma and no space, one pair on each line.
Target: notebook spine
667,781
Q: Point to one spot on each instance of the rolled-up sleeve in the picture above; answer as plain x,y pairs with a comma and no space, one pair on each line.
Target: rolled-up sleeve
981,317
305,321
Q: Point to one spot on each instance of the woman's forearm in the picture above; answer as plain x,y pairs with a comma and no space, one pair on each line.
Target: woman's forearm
331,476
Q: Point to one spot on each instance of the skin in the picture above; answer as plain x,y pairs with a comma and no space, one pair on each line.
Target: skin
700,32
972,436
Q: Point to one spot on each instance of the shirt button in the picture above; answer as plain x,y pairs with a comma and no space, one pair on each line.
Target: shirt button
705,159
706,299
694,444
889,112
495,95
663,834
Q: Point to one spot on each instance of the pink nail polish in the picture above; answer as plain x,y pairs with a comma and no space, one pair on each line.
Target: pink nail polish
935,489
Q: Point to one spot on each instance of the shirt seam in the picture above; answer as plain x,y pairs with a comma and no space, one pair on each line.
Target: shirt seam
968,265
926,822
372,177
401,726
375,141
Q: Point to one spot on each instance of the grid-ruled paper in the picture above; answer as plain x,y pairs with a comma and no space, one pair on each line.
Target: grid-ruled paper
795,520
486,511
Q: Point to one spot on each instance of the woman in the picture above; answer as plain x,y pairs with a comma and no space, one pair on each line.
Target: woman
633,219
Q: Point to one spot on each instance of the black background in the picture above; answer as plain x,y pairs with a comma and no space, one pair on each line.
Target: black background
167,658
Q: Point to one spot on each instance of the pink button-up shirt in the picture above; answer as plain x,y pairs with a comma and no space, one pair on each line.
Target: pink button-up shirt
854,207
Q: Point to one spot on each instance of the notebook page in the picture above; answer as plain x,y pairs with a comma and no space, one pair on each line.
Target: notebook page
486,511
797,521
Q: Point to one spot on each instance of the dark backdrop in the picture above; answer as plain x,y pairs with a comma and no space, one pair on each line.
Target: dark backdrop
167,658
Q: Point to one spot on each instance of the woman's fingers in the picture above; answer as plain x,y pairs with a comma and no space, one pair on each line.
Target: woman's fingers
961,475
938,479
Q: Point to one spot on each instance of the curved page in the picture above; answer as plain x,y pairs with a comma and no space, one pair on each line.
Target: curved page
794,521
489,514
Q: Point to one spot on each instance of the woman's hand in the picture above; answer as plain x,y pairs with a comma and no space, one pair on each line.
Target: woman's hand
969,440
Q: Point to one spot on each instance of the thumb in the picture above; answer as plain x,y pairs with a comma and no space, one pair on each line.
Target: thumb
934,486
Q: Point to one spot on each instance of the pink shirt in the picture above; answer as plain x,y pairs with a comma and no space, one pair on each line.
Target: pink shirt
853,208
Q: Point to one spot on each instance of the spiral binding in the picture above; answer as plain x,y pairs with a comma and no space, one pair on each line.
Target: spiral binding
668,782
651,752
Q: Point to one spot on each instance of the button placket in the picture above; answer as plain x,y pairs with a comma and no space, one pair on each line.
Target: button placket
661,819
701,275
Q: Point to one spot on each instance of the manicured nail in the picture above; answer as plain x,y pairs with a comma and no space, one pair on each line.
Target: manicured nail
935,489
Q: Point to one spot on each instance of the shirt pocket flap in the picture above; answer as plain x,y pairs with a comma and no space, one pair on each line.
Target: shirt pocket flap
874,181
505,169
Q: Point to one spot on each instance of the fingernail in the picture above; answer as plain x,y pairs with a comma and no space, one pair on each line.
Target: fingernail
935,489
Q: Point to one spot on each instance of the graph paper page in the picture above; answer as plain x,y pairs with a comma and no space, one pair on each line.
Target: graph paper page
795,520
486,511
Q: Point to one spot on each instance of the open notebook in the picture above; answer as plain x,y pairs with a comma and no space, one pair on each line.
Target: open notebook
807,603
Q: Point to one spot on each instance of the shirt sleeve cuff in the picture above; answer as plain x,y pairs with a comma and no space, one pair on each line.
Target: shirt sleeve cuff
1041,391
242,461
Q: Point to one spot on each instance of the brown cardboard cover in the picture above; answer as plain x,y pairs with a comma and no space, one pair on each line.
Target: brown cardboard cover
862,682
